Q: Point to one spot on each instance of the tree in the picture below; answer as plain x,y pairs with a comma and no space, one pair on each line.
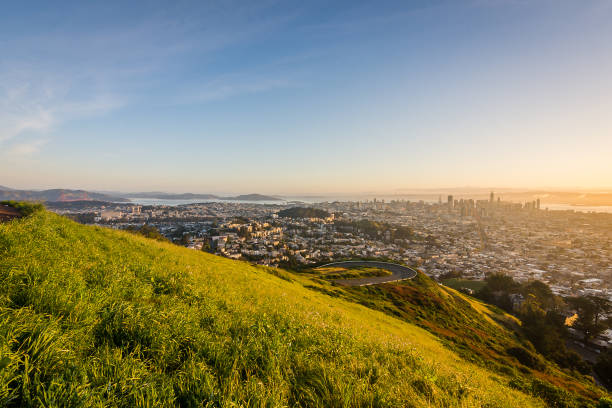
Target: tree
541,292
498,289
603,367
241,220
185,239
590,310
303,212
206,246
148,231
244,232
24,208
499,282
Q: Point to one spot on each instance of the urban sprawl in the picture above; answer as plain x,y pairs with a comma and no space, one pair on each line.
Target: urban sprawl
568,250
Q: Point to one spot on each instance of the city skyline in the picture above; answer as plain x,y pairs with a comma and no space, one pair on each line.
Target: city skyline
287,98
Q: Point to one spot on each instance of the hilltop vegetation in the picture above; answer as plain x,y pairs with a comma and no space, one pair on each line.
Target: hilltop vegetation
478,332
303,212
24,209
98,317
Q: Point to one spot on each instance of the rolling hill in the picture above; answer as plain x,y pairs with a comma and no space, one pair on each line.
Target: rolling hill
478,332
252,197
192,196
62,195
170,196
98,317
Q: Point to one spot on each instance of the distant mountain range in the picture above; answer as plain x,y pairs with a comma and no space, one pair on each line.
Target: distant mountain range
252,197
192,196
61,195
64,195
169,196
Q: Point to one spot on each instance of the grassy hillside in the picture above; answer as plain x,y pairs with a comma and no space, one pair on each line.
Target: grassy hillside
96,317
478,332
458,284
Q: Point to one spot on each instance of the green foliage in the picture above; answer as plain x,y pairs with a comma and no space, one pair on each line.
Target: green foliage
458,284
303,212
542,323
376,229
591,311
241,220
540,292
102,318
477,332
499,282
603,367
148,231
24,208
352,273
527,358
604,402
552,395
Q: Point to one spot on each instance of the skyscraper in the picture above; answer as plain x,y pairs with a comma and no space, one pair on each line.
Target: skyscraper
491,198
450,202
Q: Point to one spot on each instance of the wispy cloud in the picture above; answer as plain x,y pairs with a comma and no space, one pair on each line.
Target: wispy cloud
230,86
35,107
50,78
26,148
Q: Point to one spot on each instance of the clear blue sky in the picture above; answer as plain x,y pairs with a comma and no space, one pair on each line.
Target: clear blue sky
305,97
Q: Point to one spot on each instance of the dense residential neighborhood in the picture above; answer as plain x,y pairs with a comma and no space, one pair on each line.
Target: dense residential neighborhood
463,238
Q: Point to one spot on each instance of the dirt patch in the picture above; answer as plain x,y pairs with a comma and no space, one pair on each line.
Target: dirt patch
8,213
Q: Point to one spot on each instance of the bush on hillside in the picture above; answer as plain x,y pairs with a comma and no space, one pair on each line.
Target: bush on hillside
527,358
148,231
24,208
303,212
604,403
603,367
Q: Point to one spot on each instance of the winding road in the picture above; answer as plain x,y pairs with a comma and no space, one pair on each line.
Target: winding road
398,272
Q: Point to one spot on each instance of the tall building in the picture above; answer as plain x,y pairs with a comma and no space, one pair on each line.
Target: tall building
538,204
450,202
492,197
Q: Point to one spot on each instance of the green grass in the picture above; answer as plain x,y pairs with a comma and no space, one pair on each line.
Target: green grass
334,272
478,332
94,317
458,284
24,208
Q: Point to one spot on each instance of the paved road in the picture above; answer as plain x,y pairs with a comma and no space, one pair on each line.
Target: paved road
398,272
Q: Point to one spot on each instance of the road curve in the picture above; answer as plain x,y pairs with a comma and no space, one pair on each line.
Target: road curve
398,272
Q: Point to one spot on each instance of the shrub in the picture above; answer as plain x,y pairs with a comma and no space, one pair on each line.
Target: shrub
554,396
604,402
24,208
526,358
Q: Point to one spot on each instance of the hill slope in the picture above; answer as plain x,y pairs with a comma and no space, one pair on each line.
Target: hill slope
55,195
96,317
478,332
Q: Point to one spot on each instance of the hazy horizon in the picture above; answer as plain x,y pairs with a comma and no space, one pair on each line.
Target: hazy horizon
316,98
457,190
